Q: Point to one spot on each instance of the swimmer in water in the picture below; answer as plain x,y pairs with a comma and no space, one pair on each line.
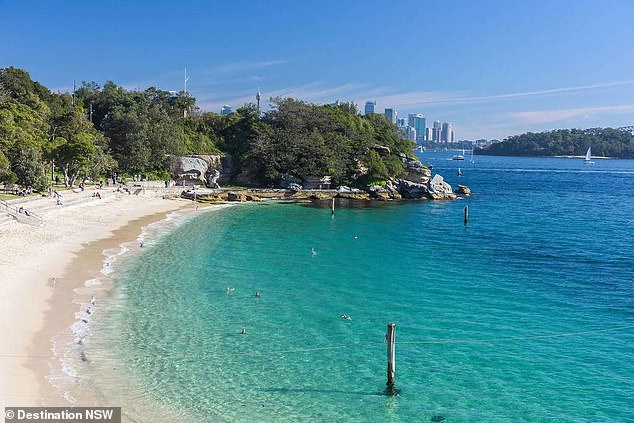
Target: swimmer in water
345,316
243,331
257,294
313,252
229,289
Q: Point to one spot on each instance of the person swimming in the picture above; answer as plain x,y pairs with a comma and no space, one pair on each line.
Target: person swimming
345,316
229,289
257,294
313,252
243,331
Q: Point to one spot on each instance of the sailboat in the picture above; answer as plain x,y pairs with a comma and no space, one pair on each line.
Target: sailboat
472,160
588,159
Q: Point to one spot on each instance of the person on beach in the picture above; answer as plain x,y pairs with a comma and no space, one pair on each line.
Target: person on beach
93,300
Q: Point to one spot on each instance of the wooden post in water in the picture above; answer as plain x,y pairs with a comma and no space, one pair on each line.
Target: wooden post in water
466,215
333,205
390,336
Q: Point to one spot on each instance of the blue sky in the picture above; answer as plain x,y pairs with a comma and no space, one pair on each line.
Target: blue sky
492,68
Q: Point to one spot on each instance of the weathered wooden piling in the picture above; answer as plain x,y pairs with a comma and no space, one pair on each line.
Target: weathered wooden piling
466,215
390,336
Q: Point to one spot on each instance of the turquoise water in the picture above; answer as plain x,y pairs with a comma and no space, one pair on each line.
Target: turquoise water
548,251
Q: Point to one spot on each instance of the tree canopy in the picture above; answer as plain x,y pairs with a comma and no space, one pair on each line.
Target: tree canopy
568,142
100,129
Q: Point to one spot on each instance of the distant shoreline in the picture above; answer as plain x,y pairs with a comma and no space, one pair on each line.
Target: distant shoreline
576,157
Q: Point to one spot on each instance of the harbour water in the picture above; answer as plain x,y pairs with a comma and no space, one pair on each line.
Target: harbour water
524,314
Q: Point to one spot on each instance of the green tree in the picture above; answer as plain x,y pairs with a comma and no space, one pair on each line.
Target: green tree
29,170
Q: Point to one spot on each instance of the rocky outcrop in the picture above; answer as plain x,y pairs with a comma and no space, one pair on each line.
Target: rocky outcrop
205,170
440,190
316,182
414,171
412,190
236,196
463,190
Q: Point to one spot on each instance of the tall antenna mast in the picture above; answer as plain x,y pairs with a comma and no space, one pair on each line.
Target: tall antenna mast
186,79
258,96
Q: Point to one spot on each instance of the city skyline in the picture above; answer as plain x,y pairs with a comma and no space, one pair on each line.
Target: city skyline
499,69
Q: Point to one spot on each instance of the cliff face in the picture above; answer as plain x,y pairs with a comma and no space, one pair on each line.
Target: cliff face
207,170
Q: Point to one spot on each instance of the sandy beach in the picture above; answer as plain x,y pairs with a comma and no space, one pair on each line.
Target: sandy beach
40,267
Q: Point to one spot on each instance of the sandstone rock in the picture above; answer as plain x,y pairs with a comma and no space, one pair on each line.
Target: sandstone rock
412,190
212,178
316,182
200,169
463,189
438,185
392,191
354,195
236,196
378,192
320,196
251,197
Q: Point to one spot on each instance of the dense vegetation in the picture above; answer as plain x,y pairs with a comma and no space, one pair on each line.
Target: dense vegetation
103,129
567,142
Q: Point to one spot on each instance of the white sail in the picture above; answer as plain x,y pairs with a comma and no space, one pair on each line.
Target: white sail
588,159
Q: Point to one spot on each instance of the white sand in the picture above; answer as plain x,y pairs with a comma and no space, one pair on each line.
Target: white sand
29,258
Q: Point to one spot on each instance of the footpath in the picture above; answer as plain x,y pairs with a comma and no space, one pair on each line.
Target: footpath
32,210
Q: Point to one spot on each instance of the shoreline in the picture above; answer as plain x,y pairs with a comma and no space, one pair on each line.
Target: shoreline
39,277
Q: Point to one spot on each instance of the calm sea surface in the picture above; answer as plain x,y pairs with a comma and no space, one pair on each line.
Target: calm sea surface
525,314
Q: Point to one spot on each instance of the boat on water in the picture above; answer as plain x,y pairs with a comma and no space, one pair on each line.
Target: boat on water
472,160
588,159
458,156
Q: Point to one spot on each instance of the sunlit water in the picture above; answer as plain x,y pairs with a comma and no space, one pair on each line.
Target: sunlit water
525,314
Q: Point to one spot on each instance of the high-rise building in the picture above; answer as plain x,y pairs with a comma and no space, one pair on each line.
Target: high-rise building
369,107
435,136
420,124
226,110
411,133
400,122
428,134
446,133
391,114
411,119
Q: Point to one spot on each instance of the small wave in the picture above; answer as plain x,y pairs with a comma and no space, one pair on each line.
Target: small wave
111,259
92,282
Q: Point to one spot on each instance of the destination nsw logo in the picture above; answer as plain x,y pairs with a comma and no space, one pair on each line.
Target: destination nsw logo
63,414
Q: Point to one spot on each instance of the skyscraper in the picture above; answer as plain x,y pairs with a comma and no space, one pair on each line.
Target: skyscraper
411,133
391,114
411,119
369,107
400,122
446,135
226,110
436,131
429,134
420,124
